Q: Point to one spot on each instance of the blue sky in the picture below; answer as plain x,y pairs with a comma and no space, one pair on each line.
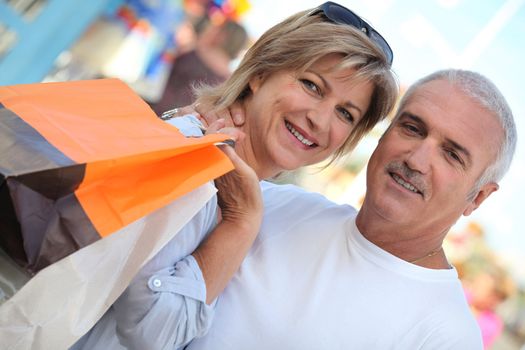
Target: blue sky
485,36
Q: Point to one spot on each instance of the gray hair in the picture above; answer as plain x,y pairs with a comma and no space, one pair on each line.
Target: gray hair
485,93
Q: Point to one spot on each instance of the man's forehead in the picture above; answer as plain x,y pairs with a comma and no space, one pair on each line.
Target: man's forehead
441,100
435,90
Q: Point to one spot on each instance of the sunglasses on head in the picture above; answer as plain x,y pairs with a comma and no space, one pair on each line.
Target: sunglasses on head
341,15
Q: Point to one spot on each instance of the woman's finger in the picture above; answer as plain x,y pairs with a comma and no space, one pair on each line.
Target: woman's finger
235,134
237,113
214,127
211,115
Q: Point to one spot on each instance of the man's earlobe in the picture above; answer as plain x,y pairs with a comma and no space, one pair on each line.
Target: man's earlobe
483,193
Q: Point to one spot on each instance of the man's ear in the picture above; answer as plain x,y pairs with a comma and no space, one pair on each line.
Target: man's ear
483,193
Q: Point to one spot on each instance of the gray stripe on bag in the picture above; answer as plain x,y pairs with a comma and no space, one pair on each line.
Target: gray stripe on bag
23,149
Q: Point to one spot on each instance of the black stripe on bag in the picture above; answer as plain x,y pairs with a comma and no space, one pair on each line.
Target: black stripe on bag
41,220
23,150
10,234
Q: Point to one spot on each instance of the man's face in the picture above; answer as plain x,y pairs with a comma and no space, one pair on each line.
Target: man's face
422,174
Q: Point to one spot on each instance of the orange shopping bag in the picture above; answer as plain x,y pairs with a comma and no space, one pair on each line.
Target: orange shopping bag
81,160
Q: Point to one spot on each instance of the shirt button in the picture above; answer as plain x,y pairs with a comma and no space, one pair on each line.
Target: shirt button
157,283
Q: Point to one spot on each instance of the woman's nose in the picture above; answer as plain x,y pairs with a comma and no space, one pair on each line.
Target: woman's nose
319,119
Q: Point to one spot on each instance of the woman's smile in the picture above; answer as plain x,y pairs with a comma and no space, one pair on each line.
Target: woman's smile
302,137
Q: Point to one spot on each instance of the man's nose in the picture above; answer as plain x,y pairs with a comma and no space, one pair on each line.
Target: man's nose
420,157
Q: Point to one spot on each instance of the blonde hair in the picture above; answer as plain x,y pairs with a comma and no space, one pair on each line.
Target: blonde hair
298,42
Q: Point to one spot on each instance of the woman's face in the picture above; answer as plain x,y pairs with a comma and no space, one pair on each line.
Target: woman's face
296,119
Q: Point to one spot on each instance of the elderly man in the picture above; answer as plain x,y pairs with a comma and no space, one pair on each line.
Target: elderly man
324,276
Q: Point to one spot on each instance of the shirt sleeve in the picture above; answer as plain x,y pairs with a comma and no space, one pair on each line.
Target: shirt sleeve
189,125
168,312
164,307
445,329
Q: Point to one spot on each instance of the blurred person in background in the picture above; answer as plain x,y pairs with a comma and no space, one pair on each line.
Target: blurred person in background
512,311
207,63
313,86
486,286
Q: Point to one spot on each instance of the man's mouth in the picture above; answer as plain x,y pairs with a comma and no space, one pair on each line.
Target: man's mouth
405,184
300,137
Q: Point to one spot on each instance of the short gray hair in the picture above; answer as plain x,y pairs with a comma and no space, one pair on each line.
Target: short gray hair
485,93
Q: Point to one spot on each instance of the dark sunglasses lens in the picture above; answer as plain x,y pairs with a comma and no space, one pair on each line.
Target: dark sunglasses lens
379,40
340,14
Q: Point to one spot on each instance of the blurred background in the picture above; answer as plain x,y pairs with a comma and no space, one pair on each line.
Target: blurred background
161,47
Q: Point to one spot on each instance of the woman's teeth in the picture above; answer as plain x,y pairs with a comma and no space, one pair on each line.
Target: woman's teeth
297,135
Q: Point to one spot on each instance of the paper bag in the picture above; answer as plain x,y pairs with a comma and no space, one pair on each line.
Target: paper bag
81,160
64,300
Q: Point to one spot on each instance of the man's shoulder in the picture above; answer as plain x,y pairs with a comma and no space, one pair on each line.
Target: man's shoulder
452,326
280,191
458,331
290,196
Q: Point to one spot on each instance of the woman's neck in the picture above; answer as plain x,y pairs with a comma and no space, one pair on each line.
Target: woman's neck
248,153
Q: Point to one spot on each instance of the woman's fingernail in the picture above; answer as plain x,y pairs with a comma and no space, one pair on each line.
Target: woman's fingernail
229,142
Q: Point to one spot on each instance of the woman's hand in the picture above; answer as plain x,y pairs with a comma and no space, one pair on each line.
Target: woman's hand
239,192
233,116
239,195
219,126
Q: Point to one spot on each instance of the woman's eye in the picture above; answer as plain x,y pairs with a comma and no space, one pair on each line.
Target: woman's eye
310,85
346,115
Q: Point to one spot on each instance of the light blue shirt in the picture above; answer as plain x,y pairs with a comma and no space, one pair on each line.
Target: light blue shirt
164,307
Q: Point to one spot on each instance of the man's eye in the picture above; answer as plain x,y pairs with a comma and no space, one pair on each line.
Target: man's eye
454,156
310,85
410,128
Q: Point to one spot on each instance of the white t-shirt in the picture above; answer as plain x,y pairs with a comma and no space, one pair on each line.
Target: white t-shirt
312,281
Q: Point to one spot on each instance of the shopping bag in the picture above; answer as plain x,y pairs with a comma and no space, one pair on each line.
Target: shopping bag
64,300
81,160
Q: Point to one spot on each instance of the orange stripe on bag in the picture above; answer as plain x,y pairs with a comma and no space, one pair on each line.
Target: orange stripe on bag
143,184
69,117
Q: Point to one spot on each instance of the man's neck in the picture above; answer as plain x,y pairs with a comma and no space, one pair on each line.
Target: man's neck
420,249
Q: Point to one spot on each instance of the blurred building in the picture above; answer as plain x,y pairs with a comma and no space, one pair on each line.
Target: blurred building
133,40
